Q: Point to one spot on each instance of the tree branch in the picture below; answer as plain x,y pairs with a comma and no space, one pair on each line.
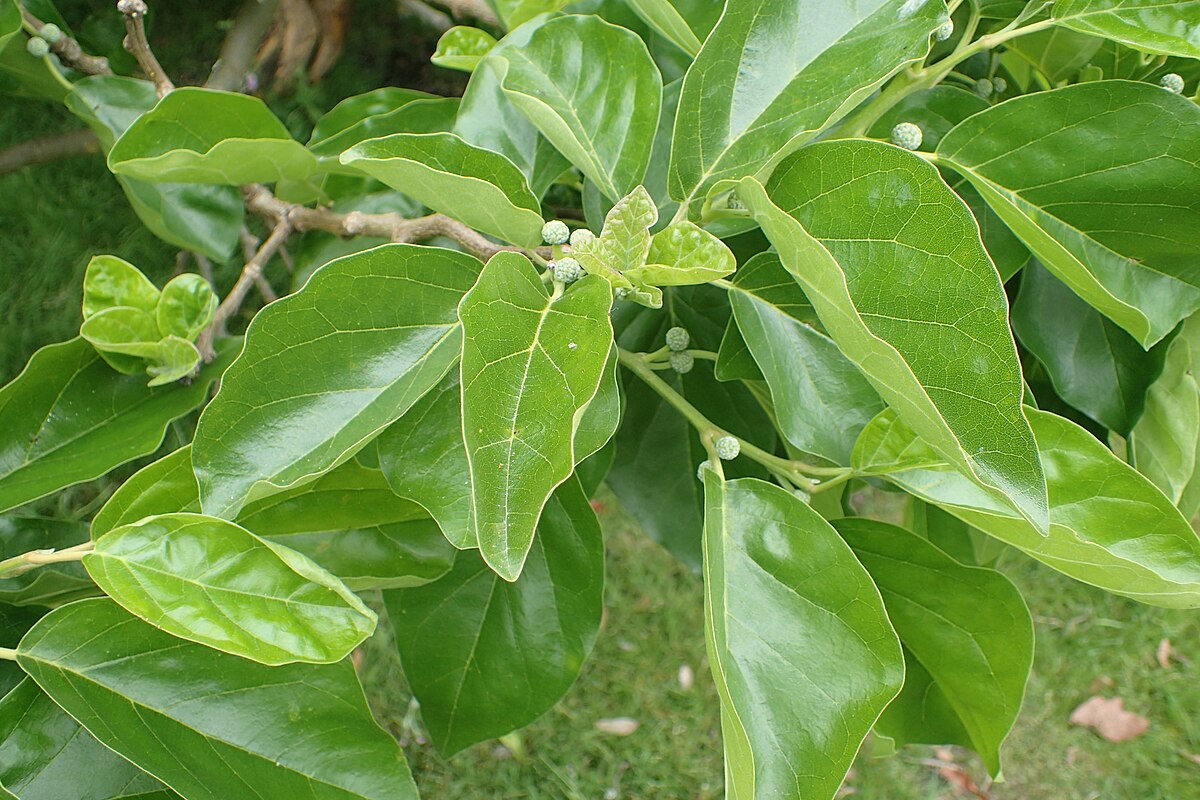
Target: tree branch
69,51
137,44
48,149
240,45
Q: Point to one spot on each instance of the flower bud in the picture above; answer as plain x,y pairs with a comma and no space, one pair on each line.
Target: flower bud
682,362
555,232
944,31
51,33
37,47
567,270
705,464
678,338
581,237
999,84
727,448
907,135
1172,82
984,87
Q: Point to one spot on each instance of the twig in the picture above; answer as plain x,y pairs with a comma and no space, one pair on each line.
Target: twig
429,15
137,44
240,45
69,51
48,149
477,9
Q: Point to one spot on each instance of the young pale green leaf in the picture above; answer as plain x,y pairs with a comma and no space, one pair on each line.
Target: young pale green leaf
46,755
213,582
940,353
530,366
782,591
682,254
1116,222
485,656
49,585
799,67
478,187
1166,28
109,282
1094,365
821,400
514,13
593,91
966,626
624,242
462,48
196,135
667,21
234,728
186,306
1109,525
70,418
326,369
122,329
173,360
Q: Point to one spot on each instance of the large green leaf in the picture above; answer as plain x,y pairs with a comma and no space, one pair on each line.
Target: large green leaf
821,400
799,66
478,187
404,111
195,135
592,90
870,231
800,646
966,626
206,219
485,656
1155,26
1097,179
353,112
328,368
666,20
1109,525
210,725
46,755
70,418
50,584
214,582
1094,365
10,21
530,366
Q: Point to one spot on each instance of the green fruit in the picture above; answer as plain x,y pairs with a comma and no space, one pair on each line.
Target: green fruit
944,31
907,135
581,237
567,270
678,338
51,33
727,448
1172,82
555,232
682,362
37,47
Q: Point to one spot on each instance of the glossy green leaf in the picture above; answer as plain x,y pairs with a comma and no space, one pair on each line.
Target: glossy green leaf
462,47
821,400
51,584
1109,525
848,218
593,91
196,135
782,591
682,254
10,21
1097,180
966,626
514,13
125,331
1094,365
186,307
414,112
485,656
109,282
173,360
213,582
800,67
326,369
71,418
530,366
478,187
1060,54
667,21
934,110
46,755
233,728
205,219
14,622
354,111
165,486
1168,28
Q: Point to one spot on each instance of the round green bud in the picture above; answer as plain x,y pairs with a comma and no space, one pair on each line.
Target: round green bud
705,464
999,84
1172,82
678,338
984,87
727,448
567,270
556,232
944,31
682,362
582,237
51,33
37,47
907,135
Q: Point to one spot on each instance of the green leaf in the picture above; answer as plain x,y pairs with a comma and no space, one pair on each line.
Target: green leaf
530,366
485,656
1116,222
354,111
165,486
514,13
1150,25
967,627
110,282
186,307
326,369
205,219
1058,53
593,91
70,418
478,187
667,21
624,242
121,329
234,730
419,113
821,400
935,110
462,47
49,585
939,352
213,582
800,67
196,135
46,755
782,592
1109,526
1093,364
10,21
173,360
683,254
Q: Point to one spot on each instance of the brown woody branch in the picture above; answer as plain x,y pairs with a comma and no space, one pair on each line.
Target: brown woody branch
69,51
47,149
137,44
240,45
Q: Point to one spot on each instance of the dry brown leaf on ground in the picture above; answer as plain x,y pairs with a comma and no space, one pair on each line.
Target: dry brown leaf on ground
958,777
1109,718
618,726
1164,654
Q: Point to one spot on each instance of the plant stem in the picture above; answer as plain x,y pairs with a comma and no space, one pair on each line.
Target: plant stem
8,654
137,44
17,565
